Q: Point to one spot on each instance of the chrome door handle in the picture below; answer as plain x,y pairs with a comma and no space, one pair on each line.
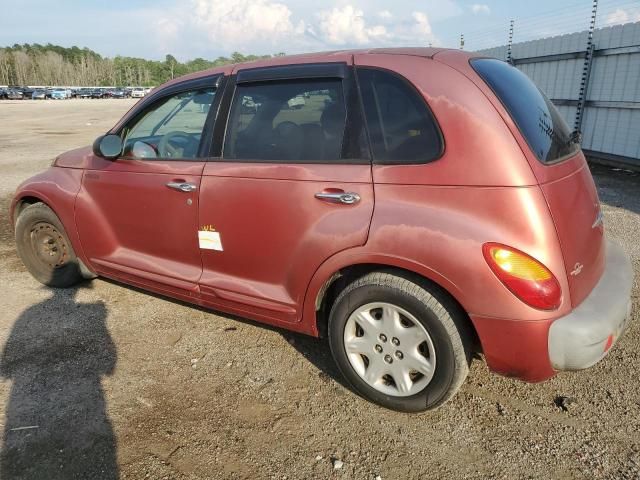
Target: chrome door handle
348,198
183,186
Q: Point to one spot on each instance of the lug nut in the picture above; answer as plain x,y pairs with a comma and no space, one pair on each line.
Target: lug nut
388,359
378,348
382,337
395,341
399,355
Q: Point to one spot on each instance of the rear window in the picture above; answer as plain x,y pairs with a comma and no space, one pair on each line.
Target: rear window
402,129
537,118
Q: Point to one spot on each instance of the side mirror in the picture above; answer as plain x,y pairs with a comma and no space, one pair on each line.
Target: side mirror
108,146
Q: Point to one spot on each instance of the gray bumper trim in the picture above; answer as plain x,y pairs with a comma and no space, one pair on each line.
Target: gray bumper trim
578,340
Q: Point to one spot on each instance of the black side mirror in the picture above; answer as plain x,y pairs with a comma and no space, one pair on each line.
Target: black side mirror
108,146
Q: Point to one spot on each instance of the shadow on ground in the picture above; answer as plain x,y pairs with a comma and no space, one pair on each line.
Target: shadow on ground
56,424
617,187
318,352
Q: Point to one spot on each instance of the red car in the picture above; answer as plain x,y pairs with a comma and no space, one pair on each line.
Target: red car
415,206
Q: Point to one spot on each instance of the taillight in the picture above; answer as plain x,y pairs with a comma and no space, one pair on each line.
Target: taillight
524,276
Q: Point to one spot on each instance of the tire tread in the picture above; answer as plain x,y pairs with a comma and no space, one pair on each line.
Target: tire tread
439,302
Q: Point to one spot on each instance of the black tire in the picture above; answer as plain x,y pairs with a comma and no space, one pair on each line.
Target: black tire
45,249
440,316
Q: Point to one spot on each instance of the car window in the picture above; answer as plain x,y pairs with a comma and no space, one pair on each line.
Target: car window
290,121
536,117
170,128
401,126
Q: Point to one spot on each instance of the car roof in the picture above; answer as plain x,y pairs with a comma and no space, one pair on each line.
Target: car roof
317,57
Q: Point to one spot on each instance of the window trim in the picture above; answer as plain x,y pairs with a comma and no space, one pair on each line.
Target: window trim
298,71
217,82
415,90
353,112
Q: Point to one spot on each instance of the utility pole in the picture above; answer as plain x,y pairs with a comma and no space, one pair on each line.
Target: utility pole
509,59
586,70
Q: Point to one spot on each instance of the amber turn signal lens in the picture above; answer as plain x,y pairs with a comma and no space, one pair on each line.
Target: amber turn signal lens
524,276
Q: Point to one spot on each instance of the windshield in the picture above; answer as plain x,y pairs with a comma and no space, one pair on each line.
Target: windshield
537,118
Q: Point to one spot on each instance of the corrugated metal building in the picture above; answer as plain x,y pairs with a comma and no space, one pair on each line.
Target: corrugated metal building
611,117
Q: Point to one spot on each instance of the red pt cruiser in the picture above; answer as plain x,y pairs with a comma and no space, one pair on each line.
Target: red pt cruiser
413,205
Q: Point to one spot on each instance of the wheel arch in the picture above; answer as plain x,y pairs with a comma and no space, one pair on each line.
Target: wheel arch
56,188
20,203
341,277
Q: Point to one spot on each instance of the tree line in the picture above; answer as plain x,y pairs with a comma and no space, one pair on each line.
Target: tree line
35,64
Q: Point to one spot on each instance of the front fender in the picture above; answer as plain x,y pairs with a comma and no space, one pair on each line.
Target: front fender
57,188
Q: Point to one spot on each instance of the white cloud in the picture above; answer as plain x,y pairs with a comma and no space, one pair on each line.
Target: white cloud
266,26
422,26
340,26
480,8
240,23
167,32
621,15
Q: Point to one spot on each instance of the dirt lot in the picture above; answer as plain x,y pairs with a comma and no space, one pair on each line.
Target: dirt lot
106,381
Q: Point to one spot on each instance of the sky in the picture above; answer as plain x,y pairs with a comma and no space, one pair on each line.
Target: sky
189,29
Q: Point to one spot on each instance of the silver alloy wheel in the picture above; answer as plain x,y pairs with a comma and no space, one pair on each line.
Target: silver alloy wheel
389,349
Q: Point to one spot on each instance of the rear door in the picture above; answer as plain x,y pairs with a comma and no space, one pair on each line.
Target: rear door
137,215
291,188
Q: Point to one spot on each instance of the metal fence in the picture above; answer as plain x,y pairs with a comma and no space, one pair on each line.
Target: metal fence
593,77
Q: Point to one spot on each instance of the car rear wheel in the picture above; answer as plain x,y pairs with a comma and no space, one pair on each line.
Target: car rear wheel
45,249
399,344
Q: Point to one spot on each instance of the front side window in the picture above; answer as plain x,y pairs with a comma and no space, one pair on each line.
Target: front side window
291,121
402,129
536,117
171,128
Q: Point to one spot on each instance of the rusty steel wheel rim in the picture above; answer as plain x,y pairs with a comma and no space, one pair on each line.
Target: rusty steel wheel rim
48,245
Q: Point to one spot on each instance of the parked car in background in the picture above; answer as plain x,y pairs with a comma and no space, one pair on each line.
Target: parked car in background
3,93
59,94
84,93
27,92
39,95
485,233
138,92
14,94
98,93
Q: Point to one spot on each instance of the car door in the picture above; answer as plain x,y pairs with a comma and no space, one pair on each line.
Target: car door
291,188
137,215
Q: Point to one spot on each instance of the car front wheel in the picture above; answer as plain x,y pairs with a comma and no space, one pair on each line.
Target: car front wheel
45,249
399,343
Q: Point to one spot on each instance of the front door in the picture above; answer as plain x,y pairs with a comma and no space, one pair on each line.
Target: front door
137,216
293,187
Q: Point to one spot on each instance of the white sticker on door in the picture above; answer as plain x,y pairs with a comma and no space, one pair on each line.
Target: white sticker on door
209,240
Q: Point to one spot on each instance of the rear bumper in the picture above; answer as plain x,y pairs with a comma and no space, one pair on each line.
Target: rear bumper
583,337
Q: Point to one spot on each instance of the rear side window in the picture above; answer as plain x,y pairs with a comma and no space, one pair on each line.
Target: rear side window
402,129
536,117
287,121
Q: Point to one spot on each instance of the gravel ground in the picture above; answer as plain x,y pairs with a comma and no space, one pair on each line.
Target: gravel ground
105,381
